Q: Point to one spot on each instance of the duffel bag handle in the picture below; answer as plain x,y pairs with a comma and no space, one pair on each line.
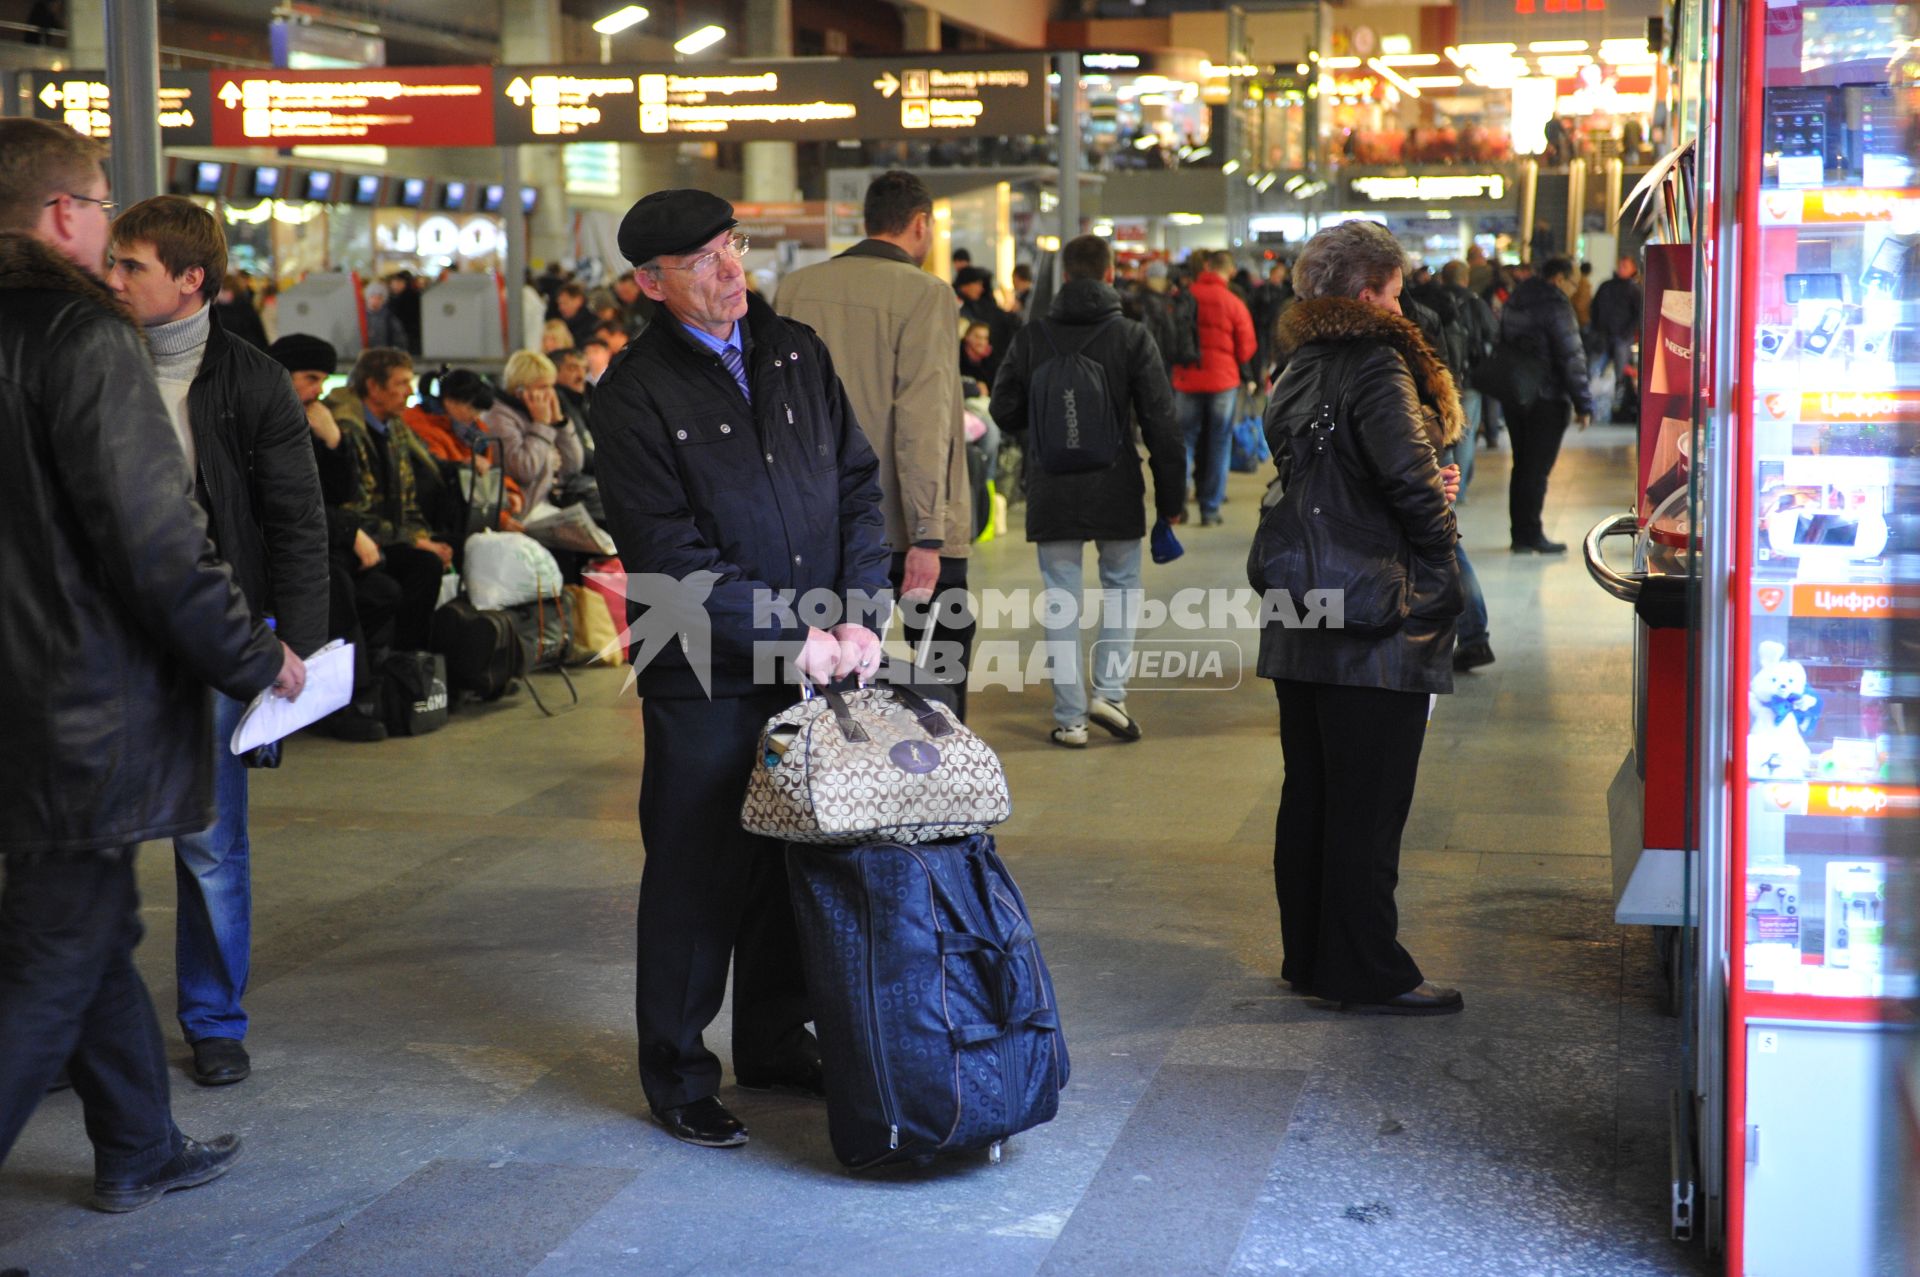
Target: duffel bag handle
850,729
931,720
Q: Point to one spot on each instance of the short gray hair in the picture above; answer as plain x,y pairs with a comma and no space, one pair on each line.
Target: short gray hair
1342,260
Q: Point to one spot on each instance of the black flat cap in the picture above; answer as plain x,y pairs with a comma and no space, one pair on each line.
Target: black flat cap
300,352
670,222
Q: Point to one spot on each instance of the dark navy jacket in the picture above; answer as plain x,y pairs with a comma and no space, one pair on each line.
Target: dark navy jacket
782,494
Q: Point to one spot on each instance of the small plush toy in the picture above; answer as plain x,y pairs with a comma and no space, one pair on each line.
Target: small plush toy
1784,714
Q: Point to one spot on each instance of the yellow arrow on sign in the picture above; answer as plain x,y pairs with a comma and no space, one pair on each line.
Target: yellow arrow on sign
886,84
51,94
519,91
230,94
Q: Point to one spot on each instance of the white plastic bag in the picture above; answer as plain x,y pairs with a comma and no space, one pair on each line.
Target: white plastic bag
506,569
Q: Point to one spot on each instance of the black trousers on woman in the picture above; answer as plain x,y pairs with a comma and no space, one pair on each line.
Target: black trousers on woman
1352,754
1536,431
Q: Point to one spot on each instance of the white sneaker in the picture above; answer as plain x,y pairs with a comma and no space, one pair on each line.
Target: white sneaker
1113,717
1070,737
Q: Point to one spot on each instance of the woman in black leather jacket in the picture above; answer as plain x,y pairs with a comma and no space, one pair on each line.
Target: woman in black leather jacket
1356,425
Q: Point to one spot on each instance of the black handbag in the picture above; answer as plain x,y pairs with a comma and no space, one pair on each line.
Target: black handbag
1512,375
1313,538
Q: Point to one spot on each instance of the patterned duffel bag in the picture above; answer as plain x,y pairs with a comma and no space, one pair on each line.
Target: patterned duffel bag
877,764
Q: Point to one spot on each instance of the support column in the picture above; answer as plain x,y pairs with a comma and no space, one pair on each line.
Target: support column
1069,141
772,169
919,29
530,33
133,80
87,34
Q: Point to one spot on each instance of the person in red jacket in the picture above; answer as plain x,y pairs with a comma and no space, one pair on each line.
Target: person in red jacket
1205,392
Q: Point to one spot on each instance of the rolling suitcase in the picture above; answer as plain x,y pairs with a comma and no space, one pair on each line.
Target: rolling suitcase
937,1023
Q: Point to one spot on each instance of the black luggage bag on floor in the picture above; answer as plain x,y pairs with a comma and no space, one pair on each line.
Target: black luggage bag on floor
483,649
414,693
937,1023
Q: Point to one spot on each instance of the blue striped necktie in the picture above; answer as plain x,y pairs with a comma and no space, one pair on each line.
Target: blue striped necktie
737,365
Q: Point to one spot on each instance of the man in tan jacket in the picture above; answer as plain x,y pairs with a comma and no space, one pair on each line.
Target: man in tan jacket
892,328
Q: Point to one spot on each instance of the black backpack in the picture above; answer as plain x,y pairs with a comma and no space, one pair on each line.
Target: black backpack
1183,327
1070,410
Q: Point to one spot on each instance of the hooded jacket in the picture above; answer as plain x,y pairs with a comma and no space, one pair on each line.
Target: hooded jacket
1399,409
1226,339
1098,505
117,613
1538,319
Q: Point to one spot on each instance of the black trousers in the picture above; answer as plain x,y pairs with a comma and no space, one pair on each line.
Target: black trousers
953,629
69,995
1536,432
1352,754
711,893
418,571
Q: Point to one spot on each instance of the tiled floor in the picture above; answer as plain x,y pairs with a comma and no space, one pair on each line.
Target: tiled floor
442,1005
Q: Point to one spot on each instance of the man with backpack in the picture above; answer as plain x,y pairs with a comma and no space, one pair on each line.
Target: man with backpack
1208,385
1070,388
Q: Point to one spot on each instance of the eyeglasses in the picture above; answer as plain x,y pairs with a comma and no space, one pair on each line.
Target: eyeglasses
106,206
707,263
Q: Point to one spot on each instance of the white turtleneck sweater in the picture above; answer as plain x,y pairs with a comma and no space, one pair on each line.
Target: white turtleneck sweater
177,348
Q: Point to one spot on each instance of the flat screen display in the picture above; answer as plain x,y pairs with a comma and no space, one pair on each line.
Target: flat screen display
318,187
208,177
453,196
529,199
265,183
413,192
366,189
493,198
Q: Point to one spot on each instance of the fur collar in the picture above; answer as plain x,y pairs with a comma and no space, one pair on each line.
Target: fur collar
28,262
1342,319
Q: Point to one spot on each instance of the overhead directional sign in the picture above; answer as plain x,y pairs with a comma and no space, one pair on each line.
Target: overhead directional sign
80,99
792,100
374,106
795,99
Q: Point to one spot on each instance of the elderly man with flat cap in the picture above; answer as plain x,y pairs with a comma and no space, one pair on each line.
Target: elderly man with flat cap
730,460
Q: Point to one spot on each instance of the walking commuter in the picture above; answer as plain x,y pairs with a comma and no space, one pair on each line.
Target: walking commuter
245,438
730,460
889,325
117,616
1067,510
1353,706
1617,305
1538,321
1205,392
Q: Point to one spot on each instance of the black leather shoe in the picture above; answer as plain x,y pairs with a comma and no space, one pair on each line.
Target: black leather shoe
194,1165
1471,656
705,1122
1539,545
805,1079
1427,999
220,1062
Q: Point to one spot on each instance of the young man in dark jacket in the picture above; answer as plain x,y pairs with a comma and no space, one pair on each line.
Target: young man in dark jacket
1538,320
245,437
106,747
1065,511
730,463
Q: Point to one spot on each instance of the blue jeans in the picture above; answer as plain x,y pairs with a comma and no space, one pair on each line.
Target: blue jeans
215,936
1208,423
1474,406
1119,615
1473,622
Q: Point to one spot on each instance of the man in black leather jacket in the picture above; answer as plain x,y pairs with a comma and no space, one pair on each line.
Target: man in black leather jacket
116,616
1538,320
245,437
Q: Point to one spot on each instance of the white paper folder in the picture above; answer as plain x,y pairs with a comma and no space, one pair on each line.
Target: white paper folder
329,687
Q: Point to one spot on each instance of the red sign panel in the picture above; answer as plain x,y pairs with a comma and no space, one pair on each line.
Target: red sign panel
372,106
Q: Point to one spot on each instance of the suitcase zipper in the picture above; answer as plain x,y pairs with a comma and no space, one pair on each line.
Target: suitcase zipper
875,1039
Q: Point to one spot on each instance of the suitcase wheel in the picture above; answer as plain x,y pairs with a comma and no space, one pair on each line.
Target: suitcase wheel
993,1152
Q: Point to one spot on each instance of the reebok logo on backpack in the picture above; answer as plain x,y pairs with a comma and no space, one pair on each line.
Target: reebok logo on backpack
1071,417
